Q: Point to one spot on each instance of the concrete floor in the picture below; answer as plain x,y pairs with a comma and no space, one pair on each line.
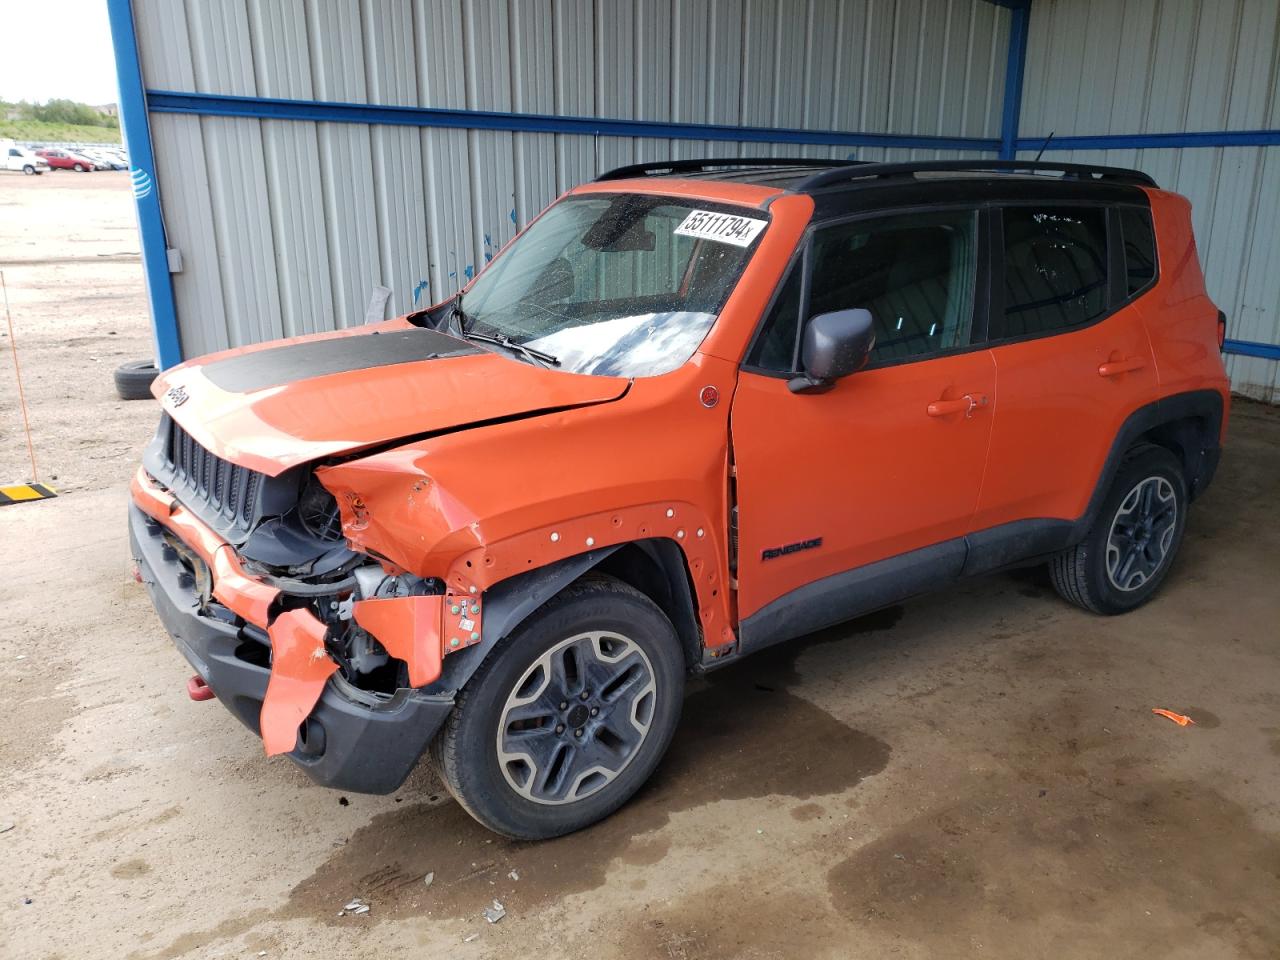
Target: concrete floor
974,774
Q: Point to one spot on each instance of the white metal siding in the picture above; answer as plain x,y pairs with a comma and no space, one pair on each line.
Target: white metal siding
285,227
1172,66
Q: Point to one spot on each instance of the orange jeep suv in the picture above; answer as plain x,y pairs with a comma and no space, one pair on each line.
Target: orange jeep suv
694,409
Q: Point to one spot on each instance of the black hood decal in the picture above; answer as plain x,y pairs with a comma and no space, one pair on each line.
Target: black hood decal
318,358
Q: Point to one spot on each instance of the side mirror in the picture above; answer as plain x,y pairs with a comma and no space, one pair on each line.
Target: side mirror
835,345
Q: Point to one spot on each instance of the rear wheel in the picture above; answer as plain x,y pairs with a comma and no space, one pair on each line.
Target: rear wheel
1127,553
568,716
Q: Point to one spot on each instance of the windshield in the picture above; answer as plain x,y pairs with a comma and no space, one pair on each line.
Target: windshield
618,285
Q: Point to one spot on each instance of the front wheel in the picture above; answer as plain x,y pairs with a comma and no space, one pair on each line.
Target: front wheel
79,168
29,170
1128,551
568,716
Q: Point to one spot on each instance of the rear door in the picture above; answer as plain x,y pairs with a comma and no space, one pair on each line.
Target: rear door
1072,358
888,461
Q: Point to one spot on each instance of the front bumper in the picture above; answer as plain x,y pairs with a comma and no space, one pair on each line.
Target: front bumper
351,740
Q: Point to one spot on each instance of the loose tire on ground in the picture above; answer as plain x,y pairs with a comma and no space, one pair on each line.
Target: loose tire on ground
134,379
1127,553
506,709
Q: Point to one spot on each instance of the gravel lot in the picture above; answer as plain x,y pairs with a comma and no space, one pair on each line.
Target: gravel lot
975,774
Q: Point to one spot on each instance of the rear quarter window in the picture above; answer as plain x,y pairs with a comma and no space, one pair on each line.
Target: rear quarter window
1139,249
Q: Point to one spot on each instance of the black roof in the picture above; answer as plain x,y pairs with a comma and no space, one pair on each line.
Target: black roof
805,175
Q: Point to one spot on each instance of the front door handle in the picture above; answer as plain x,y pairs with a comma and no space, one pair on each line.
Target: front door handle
966,405
1113,368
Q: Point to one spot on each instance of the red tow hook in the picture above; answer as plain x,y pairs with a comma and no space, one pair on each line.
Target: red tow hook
198,690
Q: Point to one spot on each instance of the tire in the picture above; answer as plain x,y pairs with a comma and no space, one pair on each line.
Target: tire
29,170
79,168
1128,551
134,379
541,780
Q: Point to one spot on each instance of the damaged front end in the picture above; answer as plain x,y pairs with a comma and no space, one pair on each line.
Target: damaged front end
334,658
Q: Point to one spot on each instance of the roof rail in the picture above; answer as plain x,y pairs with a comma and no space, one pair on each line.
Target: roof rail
662,167
1070,171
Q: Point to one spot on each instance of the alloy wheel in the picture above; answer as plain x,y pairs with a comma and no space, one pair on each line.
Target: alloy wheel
576,717
1141,533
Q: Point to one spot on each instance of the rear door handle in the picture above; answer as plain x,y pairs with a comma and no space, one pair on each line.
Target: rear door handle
966,405
1113,368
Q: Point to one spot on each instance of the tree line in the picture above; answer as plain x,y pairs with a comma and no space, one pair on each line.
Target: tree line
59,111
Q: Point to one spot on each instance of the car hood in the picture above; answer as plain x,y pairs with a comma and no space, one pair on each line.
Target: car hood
274,406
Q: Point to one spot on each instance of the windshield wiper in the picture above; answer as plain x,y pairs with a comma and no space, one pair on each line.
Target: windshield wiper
501,340
457,313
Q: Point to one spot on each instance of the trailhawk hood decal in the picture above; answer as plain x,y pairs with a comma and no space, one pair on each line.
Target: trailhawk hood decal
274,406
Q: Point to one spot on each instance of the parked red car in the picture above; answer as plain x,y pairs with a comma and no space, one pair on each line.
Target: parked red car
66,160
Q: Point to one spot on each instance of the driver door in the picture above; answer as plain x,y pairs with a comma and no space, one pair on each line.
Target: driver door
854,498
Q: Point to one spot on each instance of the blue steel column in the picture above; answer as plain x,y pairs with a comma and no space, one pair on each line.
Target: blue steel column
1019,23
137,139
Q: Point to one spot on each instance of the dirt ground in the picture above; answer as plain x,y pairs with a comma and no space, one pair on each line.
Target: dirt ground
974,774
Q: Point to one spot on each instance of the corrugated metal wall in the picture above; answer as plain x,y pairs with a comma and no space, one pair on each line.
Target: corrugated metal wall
1172,66
286,226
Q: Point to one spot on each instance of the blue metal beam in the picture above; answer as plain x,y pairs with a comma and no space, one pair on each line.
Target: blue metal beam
146,194
1014,71
206,104
1155,141
1250,348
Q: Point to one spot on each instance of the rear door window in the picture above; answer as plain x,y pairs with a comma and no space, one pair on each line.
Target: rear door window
1055,270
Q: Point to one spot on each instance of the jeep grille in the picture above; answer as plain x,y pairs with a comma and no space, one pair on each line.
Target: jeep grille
222,494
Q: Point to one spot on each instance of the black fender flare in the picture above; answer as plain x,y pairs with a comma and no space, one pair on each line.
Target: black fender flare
506,604
509,602
1201,445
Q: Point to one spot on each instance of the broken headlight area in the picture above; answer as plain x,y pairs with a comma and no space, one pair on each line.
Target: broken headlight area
362,660
328,578
303,542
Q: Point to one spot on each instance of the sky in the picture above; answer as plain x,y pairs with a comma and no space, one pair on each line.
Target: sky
58,50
